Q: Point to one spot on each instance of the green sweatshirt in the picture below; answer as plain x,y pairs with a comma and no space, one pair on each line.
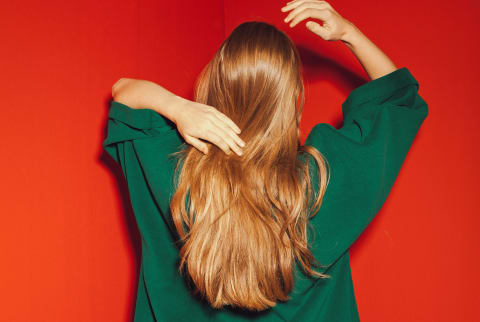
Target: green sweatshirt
381,119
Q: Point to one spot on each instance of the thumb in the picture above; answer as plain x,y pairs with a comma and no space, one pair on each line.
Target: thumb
317,29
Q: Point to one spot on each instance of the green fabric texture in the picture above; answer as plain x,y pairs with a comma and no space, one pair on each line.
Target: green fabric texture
381,120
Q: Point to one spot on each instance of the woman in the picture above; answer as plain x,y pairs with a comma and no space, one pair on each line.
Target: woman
264,232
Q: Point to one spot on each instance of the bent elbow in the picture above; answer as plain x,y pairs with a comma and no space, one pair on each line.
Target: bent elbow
117,86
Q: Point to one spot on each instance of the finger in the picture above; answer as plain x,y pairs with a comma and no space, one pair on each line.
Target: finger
229,122
228,131
213,137
294,4
202,146
321,14
229,137
288,6
305,5
317,29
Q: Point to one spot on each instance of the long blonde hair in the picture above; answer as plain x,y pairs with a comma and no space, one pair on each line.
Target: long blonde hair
242,220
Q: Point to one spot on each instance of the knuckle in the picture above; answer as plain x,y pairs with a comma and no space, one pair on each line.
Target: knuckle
212,119
210,122
301,8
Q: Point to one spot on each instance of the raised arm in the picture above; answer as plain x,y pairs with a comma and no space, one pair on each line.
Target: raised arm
372,58
380,121
142,94
335,27
194,121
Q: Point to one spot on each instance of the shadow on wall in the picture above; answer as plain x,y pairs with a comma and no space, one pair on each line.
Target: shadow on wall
317,68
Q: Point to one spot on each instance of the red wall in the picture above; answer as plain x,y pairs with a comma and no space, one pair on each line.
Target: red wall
69,241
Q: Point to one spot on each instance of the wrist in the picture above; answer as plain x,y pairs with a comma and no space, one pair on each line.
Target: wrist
172,106
351,34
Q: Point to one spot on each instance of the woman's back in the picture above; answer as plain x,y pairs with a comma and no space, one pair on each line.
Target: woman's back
381,119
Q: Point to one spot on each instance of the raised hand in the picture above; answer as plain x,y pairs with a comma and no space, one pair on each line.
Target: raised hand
194,120
334,25
197,121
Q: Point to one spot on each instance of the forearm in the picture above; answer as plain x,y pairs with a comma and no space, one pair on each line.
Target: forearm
143,94
372,59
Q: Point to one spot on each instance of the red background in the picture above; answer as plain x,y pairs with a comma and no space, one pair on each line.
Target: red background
70,247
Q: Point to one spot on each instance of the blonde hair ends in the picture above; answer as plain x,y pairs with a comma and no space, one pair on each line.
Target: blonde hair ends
242,220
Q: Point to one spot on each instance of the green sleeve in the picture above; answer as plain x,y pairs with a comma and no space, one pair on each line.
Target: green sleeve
126,124
381,119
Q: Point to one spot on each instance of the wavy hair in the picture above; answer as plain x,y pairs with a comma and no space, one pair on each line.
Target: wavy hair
242,220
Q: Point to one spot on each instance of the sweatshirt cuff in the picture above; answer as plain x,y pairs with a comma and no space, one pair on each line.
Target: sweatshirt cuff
379,89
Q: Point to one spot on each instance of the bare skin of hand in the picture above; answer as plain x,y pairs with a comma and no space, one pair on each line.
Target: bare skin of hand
334,25
197,121
194,120
375,62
